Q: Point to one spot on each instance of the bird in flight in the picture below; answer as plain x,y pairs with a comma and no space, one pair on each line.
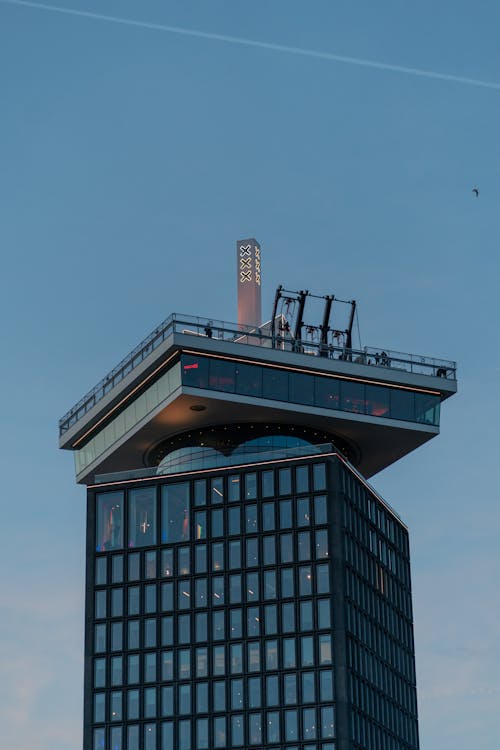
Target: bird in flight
476,192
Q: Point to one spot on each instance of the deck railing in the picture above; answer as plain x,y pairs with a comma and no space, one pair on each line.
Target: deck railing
262,336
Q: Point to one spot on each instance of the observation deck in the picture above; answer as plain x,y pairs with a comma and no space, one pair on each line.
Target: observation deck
198,374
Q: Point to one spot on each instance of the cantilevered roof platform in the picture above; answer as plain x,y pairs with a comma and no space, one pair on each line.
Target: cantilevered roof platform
196,374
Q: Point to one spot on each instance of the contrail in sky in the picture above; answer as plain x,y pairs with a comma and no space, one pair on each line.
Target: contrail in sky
244,42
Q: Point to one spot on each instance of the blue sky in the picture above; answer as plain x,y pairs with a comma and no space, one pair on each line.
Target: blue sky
131,159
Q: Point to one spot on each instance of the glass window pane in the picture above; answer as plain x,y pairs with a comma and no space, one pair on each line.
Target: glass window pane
271,655
115,705
289,656
327,722
200,525
101,568
303,512
249,380
273,726
116,568
290,689
268,483
274,384
269,550
322,579
201,662
218,556
308,688
133,669
268,522
217,522
195,371
201,734
402,405
100,605
184,663
305,580
321,543
325,649
117,670
218,625
255,729
175,513
234,520
150,667
218,590
185,734
201,592
167,665
150,633
184,629
116,737
286,548
219,660
235,554
269,584
167,701
167,597
307,651
251,525
99,673
309,723
220,731
352,397
288,617
109,526
150,564
250,486
133,634
320,512
116,636
216,490
201,627
270,619
134,566
134,600
219,695
184,594
200,492
254,693
222,375
285,509
302,479
252,548
326,685
150,598
237,732
306,615
133,704
150,702
99,638
142,517
377,400
319,477
291,726
233,487
184,699
167,563
324,616
235,589
252,587
149,736
167,736
301,388
236,626
253,621
117,602
100,708
285,481
253,656
202,697
304,545
236,659
133,737
326,392
99,739
200,558
287,585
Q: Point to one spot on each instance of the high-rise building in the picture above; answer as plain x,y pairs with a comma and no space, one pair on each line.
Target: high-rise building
246,587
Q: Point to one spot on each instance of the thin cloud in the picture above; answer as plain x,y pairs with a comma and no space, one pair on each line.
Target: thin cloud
244,42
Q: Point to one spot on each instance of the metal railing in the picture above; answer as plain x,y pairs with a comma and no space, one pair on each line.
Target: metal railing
263,336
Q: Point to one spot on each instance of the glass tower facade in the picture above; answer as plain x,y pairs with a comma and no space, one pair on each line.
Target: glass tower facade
257,606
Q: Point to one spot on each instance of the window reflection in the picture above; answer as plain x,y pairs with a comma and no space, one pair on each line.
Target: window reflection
175,512
109,527
142,517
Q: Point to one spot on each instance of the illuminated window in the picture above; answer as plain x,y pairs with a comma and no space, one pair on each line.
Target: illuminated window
109,527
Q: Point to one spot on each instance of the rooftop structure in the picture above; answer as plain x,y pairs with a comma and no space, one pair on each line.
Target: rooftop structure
247,587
